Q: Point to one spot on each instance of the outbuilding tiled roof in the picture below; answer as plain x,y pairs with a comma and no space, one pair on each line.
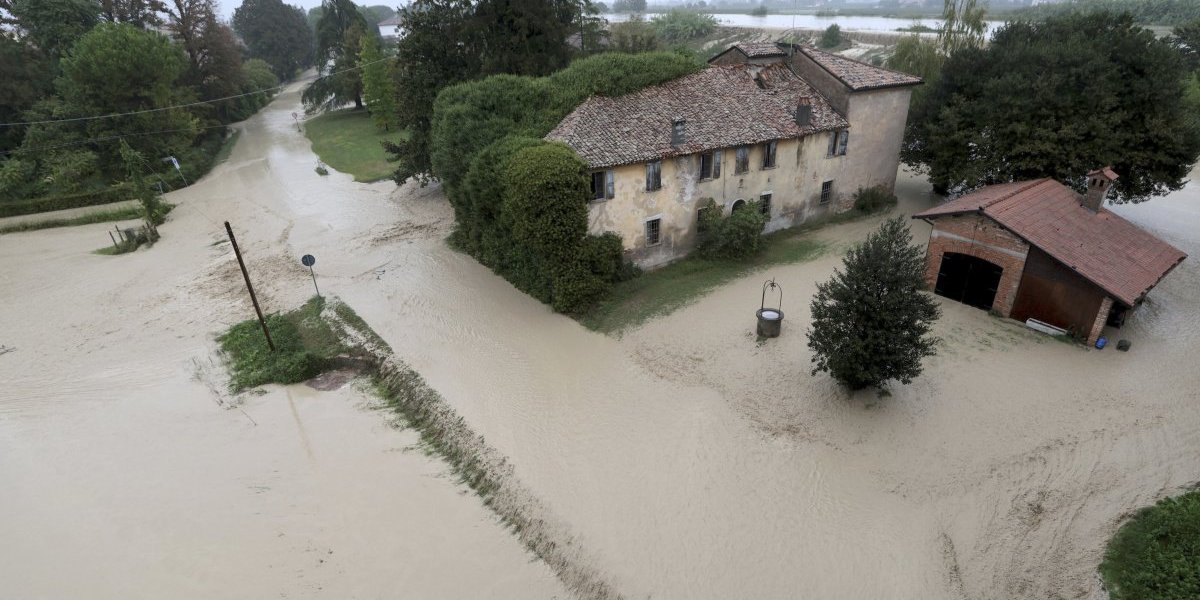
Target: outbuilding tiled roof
1121,258
759,49
857,75
721,107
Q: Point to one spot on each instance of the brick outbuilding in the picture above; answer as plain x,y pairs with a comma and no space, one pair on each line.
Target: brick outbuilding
1038,250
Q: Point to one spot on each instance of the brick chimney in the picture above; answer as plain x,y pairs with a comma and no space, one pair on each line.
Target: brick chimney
1098,182
804,112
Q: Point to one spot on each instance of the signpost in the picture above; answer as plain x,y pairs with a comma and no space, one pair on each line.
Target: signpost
175,163
309,260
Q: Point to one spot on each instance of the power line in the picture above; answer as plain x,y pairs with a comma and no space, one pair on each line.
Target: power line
188,105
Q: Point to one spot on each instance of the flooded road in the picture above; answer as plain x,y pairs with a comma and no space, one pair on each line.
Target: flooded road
684,460
126,471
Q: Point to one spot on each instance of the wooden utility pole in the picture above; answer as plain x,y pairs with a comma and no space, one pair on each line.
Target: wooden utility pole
250,288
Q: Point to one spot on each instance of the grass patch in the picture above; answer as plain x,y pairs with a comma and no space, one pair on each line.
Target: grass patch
1156,555
348,141
116,214
305,345
663,291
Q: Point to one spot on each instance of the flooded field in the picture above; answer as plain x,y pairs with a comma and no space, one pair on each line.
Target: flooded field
684,460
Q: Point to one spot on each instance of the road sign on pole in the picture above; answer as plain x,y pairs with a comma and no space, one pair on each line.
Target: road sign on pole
309,260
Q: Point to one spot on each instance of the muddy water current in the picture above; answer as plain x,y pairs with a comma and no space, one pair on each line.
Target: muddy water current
682,460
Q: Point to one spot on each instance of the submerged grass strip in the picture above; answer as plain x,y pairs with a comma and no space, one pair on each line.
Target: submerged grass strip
663,291
118,214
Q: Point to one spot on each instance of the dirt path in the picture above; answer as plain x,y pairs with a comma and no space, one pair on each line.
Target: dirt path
128,473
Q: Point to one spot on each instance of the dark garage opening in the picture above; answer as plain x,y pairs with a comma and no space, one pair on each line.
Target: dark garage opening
968,279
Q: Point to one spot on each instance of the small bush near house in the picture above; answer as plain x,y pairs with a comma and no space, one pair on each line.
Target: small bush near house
1156,555
735,236
873,199
832,37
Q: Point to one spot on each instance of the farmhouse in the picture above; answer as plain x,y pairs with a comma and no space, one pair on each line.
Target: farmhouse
794,128
1038,250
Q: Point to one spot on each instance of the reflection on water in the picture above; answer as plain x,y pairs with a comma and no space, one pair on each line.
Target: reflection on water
812,21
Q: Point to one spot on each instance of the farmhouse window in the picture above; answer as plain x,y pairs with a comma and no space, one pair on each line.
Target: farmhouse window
838,141
602,185
826,192
710,165
741,163
653,232
653,175
769,149
764,204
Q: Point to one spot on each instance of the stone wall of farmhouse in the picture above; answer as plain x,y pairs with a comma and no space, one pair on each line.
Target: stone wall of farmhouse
981,237
795,183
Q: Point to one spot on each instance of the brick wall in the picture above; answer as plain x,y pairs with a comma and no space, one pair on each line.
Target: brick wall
979,236
1098,324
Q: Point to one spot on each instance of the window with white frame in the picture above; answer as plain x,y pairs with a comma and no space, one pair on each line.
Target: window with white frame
653,231
653,175
603,187
838,140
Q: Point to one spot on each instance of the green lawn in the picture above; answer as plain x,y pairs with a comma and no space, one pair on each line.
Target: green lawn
1156,555
663,291
116,214
348,141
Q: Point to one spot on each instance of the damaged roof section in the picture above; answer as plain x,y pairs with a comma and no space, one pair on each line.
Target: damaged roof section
858,76
720,107
1121,258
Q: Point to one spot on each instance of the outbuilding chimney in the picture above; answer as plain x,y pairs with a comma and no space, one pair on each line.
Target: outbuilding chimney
1098,182
804,112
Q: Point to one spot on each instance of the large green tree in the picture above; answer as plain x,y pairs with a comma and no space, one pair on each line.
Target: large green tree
277,33
115,69
339,38
139,13
53,26
379,87
27,77
1058,99
871,323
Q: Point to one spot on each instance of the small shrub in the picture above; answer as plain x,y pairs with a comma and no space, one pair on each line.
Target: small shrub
873,199
577,290
677,25
304,347
832,37
735,236
759,11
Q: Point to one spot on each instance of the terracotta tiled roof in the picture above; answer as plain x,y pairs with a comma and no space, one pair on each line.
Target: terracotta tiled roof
855,74
759,49
1116,255
722,107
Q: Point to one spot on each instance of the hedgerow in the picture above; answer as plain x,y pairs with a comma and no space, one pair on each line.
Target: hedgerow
520,202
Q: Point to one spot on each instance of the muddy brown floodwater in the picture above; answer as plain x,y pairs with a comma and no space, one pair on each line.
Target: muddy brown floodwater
684,460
